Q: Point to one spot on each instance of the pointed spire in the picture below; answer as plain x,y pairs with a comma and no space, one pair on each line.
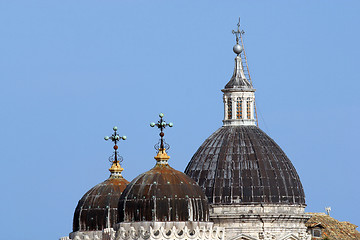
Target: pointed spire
162,146
238,79
115,168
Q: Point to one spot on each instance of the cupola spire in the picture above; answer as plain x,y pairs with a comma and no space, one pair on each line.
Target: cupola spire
238,79
162,146
116,159
239,94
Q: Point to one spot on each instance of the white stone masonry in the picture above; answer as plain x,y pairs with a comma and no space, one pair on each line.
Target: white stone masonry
261,222
242,115
168,230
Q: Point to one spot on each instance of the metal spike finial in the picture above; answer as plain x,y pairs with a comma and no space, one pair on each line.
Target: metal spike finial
115,158
161,124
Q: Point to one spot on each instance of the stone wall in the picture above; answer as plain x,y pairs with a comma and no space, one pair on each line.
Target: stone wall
261,222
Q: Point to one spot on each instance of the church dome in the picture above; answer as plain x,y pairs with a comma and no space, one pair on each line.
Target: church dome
163,194
242,164
97,209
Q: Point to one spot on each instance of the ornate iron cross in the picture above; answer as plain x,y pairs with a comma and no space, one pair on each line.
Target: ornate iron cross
238,32
161,124
115,138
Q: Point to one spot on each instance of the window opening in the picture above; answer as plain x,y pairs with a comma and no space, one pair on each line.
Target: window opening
248,112
239,108
229,113
316,232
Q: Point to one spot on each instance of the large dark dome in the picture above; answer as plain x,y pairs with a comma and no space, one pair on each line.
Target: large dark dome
163,194
241,164
97,209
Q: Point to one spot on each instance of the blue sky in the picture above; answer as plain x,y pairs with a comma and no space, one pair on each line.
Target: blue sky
71,70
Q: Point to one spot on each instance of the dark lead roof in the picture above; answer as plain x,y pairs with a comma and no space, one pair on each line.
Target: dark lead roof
163,194
97,209
241,164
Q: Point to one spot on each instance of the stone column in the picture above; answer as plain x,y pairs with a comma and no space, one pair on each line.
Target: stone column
252,108
233,99
243,108
225,107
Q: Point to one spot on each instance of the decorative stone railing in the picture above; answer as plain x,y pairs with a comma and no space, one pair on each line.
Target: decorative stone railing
85,235
176,230
154,231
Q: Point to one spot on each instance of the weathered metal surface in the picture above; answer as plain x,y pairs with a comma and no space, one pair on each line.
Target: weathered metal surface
163,194
241,164
238,79
97,209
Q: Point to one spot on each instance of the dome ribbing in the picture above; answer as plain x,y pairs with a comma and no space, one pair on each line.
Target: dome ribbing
242,164
97,209
163,194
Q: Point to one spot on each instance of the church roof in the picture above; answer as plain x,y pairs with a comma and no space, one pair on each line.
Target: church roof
97,209
332,228
242,164
163,194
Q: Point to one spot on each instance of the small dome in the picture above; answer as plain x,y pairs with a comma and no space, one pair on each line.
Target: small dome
97,209
241,164
163,194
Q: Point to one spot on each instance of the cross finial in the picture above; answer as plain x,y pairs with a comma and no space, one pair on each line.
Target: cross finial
115,138
238,32
161,124
328,210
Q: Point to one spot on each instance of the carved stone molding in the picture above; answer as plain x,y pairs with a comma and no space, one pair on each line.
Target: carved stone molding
168,230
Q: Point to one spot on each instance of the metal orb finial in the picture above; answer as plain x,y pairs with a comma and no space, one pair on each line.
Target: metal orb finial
238,48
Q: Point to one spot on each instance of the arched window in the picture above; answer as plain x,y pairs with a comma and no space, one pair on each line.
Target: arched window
248,110
239,108
229,104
